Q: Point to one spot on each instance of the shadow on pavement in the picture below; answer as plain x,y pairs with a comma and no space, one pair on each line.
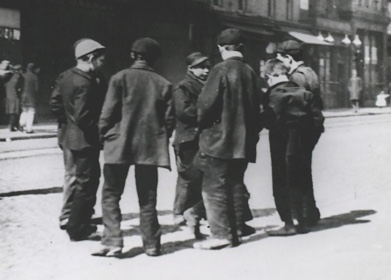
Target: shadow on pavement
258,213
33,192
340,220
130,216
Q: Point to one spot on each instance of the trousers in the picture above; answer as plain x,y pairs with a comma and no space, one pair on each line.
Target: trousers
69,184
223,193
146,183
84,197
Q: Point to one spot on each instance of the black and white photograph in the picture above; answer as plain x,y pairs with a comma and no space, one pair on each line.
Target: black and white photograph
195,139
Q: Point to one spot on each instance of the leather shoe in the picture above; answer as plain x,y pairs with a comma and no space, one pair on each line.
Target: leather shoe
108,252
152,252
213,244
287,230
246,230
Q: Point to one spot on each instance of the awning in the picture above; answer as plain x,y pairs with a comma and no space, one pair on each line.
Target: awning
308,38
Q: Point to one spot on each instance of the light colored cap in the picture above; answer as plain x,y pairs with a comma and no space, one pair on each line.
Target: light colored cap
87,46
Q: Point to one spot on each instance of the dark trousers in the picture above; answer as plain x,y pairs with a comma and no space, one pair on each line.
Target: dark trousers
13,121
146,183
69,184
223,194
188,187
291,154
87,175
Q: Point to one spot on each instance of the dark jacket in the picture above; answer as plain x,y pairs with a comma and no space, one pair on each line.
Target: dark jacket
288,105
30,89
305,77
13,88
228,111
137,117
185,100
76,101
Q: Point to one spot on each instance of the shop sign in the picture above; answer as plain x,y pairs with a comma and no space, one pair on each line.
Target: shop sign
9,33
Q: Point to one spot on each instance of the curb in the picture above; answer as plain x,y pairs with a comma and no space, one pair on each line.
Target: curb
26,137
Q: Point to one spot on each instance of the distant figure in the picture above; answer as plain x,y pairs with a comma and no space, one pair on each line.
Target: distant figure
355,88
14,87
30,91
381,99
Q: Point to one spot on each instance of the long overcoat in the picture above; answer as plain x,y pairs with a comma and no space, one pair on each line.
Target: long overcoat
30,89
13,89
77,101
229,111
355,88
137,117
185,100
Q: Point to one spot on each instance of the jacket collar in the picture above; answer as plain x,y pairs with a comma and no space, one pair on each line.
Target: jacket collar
194,83
139,64
82,73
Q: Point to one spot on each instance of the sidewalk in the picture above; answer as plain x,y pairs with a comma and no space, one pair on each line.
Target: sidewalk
49,130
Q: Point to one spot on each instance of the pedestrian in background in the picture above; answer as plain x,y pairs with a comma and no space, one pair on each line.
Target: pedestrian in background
188,188
136,122
290,114
29,95
77,101
14,88
228,116
355,88
291,53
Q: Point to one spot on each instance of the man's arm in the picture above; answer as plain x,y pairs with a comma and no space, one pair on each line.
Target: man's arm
57,103
111,110
169,113
185,109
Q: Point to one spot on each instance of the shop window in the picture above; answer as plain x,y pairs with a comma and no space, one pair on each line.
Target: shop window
289,10
241,5
271,7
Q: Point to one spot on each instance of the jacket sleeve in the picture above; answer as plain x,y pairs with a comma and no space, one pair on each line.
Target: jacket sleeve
57,103
111,110
316,113
208,102
185,109
169,114
82,113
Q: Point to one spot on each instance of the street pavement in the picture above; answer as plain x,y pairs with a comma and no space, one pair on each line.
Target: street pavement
352,240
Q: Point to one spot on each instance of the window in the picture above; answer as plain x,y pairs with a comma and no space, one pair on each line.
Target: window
304,5
271,6
216,2
289,9
241,5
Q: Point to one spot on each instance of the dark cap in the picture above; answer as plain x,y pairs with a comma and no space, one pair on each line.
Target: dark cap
289,46
31,66
195,59
230,36
147,47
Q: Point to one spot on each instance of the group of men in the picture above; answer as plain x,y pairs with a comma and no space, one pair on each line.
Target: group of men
217,115
20,89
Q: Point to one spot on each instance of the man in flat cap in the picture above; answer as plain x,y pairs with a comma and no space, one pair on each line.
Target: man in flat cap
76,102
228,119
135,124
188,189
290,52
14,89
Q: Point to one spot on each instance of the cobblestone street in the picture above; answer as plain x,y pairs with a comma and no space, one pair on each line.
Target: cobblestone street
351,242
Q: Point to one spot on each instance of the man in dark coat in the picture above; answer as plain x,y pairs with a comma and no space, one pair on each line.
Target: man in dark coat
77,102
188,188
290,52
14,88
29,95
228,115
135,124
290,114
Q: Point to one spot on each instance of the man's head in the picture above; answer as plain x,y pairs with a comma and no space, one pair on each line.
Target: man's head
198,65
230,40
146,49
90,54
275,72
289,51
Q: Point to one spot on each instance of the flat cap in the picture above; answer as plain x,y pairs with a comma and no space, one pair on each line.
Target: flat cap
230,36
289,46
147,46
195,59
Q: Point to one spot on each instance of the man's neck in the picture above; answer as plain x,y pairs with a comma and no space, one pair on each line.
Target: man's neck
295,65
